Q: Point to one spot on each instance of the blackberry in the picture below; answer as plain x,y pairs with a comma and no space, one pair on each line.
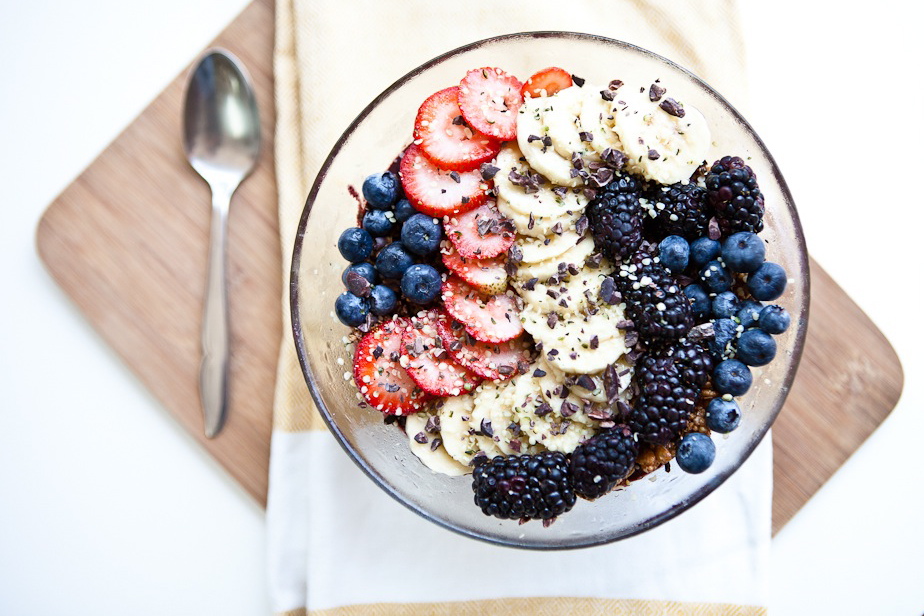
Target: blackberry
678,209
664,402
733,193
654,301
693,361
524,487
601,462
615,216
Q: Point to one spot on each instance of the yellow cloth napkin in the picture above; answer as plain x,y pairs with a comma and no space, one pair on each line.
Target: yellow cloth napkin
337,544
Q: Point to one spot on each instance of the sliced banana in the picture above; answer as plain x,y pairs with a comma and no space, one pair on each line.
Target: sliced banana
563,123
530,225
662,146
579,344
597,118
542,423
543,270
544,205
494,412
597,393
459,437
570,295
571,331
541,203
536,250
437,459
582,360
535,143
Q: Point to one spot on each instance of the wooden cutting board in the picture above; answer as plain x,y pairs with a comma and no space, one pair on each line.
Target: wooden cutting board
127,242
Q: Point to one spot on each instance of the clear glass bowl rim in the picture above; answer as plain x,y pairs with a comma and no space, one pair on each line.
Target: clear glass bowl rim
302,353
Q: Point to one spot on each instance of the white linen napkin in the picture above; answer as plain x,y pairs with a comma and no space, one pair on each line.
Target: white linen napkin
338,545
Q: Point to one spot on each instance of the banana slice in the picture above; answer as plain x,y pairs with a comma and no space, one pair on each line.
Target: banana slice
543,270
597,393
536,250
578,345
542,423
597,118
437,460
572,332
571,295
531,225
546,206
458,434
493,412
661,145
542,203
536,145
563,123
583,360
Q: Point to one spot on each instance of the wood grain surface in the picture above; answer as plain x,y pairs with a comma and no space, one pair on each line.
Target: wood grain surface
127,242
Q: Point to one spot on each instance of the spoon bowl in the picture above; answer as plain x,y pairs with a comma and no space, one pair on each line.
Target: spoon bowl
221,138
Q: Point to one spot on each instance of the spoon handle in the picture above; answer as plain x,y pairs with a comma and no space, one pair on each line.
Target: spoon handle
213,371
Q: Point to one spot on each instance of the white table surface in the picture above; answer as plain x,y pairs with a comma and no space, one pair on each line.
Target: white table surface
108,507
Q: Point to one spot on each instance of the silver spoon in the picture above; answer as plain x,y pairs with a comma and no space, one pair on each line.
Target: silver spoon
221,137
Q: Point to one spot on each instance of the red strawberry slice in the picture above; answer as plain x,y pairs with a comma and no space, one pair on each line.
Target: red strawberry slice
547,82
436,191
378,373
488,318
497,362
490,99
443,135
486,275
481,233
429,364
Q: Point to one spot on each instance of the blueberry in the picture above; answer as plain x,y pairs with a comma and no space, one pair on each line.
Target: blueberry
724,305
715,277
366,270
767,282
743,252
421,284
381,190
704,250
351,310
382,300
732,377
756,347
722,345
675,253
695,453
699,299
393,260
404,210
377,222
355,244
773,319
748,313
421,234
722,415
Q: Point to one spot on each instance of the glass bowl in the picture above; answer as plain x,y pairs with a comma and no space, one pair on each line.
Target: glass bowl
371,143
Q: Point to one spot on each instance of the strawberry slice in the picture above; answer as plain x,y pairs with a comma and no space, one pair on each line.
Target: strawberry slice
481,233
486,275
547,82
497,362
490,99
429,364
445,138
488,318
436,191
378,373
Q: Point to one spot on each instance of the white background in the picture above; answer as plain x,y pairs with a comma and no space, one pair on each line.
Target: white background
108,507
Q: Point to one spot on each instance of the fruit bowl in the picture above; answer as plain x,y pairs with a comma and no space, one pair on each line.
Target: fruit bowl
371,143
